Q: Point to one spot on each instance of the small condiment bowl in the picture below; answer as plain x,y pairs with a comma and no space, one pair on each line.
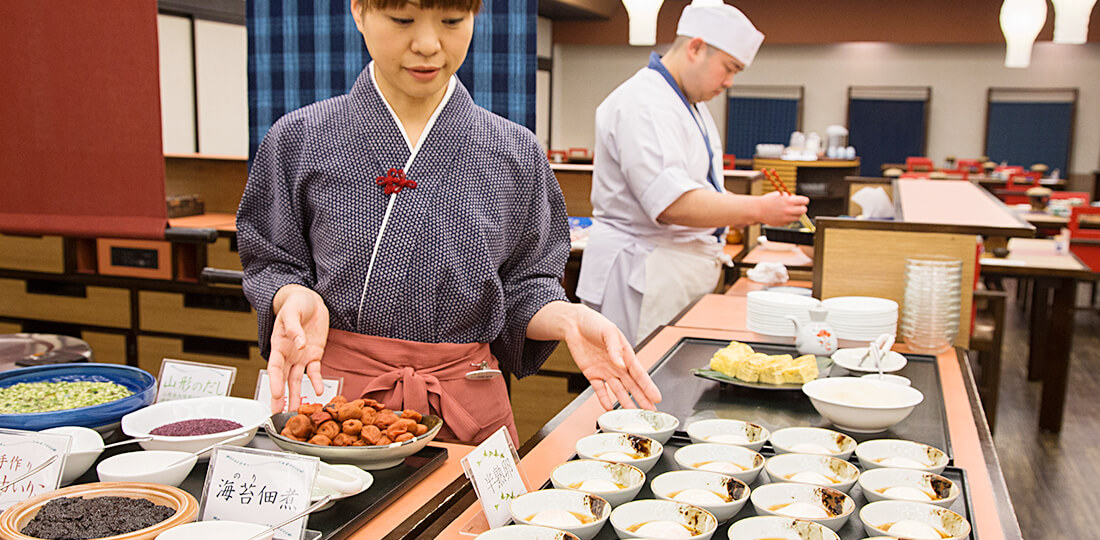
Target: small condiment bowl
85,448
656,425
773,499
247,412
147,466
883,517
877,483
215,530
862,405
826,471
669,485
901,454
722,431
779,528
888,378
592,510
525,532
619,447
810,440
572,474
628,518
698,456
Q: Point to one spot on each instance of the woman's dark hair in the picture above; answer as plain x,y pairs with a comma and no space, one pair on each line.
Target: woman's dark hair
462,5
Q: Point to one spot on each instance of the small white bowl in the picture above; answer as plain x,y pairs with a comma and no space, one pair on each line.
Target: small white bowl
215,530
633,515
779,528
773,499
620,447
723,431
667,485
888,378
247,412
147,466
86,446
656,425
862,405
901,454
810,440
877,483
594,510
698,456
881,514
828,471
572,474
849,359
525,532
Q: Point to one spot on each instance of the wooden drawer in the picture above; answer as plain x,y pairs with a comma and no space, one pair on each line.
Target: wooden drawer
107,348
169,312
10,328
221,255
152,350
64,302
33,253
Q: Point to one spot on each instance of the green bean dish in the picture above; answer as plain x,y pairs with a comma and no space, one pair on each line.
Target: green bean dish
55,396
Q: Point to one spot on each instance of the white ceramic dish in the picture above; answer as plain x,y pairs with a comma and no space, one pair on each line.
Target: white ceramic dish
832,507
247,412
339,482
779,528
547,506
814,469
901,454
887,518
736,461
908,485
525,532
641,452
810,440
850,359
593,476
888,378
723,431
147,466
675,486
862,405
214,530
85,448
656,425
638,519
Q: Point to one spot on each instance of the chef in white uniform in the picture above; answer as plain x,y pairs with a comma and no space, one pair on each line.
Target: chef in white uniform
659,208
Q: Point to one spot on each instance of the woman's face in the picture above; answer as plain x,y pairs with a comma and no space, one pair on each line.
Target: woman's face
415,51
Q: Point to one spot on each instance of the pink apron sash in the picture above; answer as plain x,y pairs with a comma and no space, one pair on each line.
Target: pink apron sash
426,377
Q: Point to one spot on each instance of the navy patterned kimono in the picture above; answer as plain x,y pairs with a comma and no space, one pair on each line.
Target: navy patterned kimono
469,256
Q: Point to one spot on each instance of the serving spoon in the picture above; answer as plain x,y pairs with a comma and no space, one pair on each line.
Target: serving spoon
205,450
121,443
324,500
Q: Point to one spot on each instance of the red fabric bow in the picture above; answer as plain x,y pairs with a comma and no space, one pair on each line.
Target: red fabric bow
395,181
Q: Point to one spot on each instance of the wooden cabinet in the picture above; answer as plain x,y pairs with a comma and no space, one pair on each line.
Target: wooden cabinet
197,314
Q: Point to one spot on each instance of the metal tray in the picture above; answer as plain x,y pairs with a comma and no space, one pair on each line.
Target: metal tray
690,398
852,529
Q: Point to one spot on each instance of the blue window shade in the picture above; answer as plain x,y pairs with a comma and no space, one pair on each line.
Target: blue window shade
1028,133
303,51
885,131
751,121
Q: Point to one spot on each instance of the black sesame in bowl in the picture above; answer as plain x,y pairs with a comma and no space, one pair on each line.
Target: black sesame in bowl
195,426
77,518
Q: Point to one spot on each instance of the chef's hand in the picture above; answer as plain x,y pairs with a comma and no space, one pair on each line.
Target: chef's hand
297,344
600,350
778,209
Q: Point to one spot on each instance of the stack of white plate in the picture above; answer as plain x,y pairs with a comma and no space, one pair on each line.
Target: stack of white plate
862,318
767,312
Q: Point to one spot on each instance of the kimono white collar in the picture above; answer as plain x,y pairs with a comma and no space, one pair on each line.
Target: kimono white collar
431,120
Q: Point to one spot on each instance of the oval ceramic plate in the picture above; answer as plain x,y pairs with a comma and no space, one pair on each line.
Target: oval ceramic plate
850,359
141,383
367,457
823,365
15,518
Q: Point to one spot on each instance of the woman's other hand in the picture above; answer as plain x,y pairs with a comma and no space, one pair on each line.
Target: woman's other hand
297,344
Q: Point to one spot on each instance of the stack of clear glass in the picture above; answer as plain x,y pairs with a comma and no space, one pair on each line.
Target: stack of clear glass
930,312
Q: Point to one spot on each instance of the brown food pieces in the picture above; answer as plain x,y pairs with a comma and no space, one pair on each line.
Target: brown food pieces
343,439
329,429
412,415
359,422
371,434
352,427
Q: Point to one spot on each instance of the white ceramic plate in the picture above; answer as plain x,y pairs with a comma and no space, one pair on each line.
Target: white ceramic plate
849,359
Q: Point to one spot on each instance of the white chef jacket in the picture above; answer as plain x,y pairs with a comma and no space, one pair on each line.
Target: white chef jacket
649,152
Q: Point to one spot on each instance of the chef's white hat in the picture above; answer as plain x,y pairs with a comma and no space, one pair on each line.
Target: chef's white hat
722,26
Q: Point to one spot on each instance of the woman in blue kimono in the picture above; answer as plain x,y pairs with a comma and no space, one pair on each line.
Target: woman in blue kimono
400,236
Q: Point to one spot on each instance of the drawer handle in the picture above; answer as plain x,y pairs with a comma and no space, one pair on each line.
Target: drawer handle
56,288
216,346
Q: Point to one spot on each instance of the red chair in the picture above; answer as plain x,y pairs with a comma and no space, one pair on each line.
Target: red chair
1083,195
918,163
1084,243
1009,169
969,165
729,161
914,176
556,156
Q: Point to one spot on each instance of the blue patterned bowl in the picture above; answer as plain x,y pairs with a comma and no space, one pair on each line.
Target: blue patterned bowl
142,384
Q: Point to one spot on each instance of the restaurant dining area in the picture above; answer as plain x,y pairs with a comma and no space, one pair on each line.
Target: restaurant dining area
557,269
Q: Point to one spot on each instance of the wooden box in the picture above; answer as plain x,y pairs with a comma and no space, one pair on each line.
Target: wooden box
208,315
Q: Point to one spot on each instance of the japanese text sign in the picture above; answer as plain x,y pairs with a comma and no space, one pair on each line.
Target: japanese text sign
492,468
332,389
180,379
22,451
258,486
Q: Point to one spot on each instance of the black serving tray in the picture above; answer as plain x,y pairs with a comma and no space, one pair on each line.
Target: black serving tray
788,235
690,398
345,516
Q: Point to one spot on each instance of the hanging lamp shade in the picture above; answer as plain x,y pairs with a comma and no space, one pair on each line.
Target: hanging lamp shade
643,20
1021,21
1071,20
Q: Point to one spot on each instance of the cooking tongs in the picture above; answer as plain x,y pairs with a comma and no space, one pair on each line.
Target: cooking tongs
781,187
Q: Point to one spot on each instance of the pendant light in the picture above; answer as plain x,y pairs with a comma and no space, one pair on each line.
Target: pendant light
1071,20
1021,21
643,20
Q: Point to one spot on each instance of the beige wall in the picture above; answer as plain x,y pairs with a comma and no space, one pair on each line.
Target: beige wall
958,74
